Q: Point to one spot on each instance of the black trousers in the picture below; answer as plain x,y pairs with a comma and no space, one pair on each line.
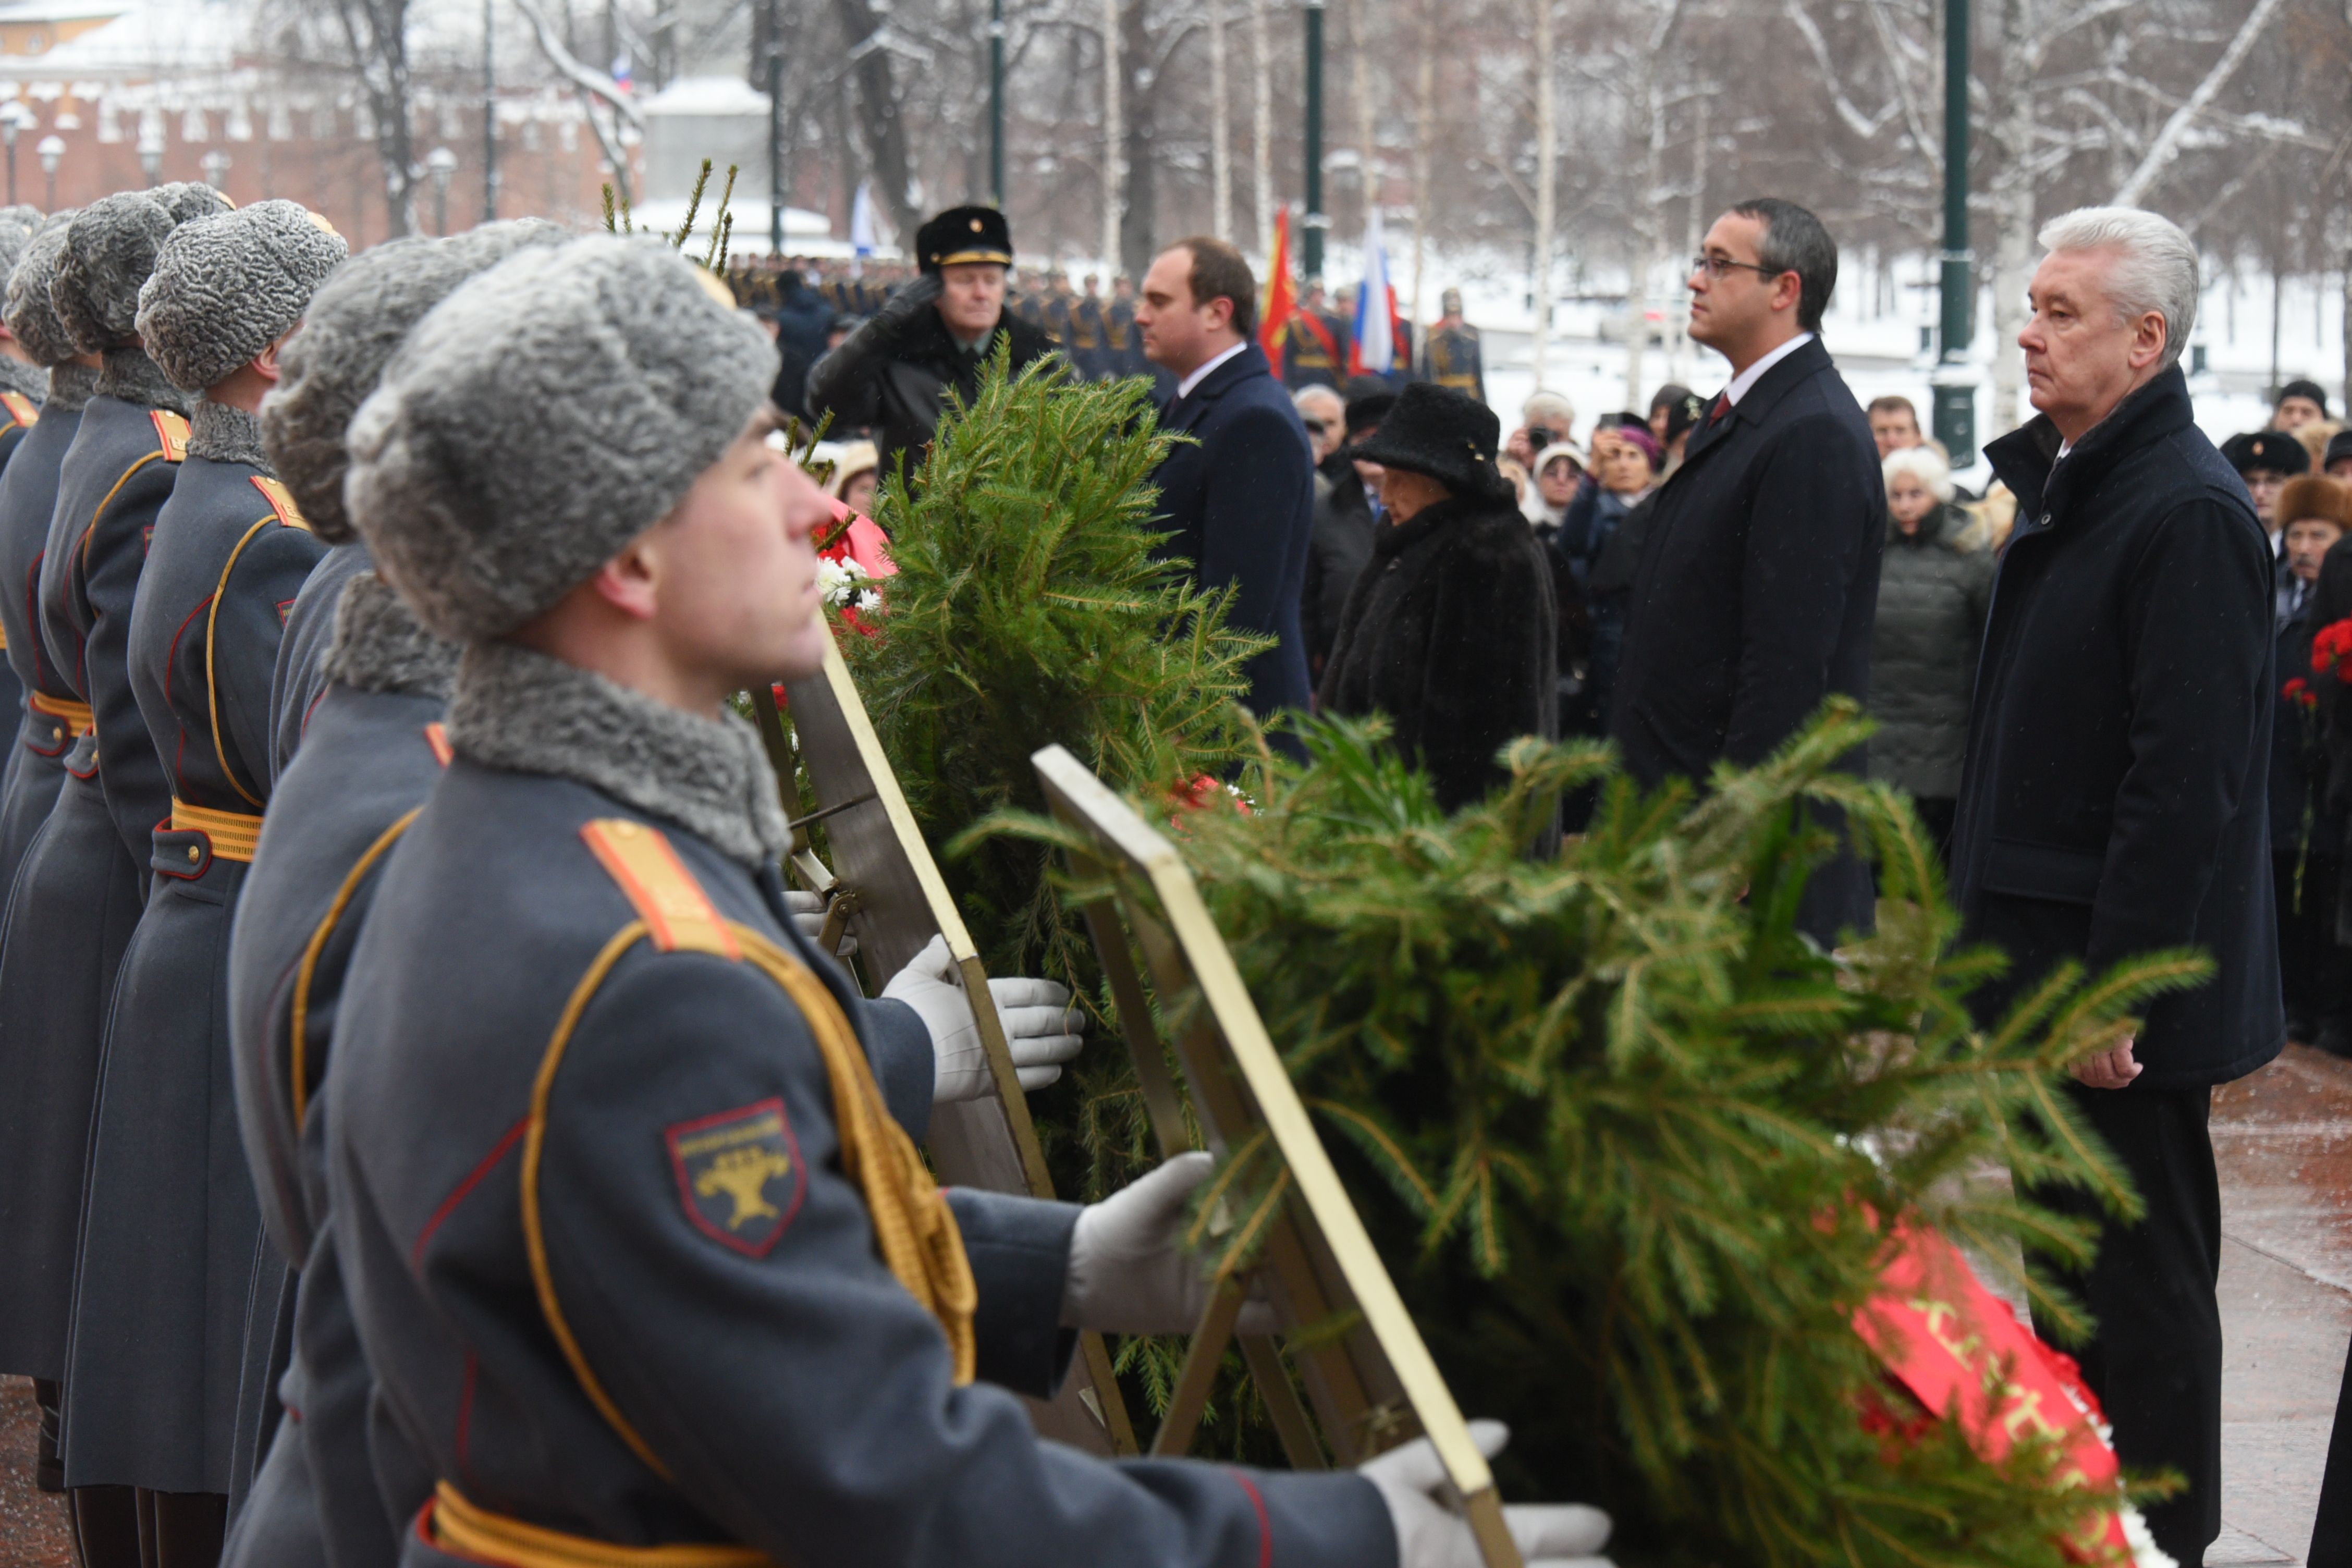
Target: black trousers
2331,1531
2154,1357
2313,969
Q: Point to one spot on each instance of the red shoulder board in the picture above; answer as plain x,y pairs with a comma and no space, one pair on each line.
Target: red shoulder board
20,408
436,735
281,502
677,912
171,431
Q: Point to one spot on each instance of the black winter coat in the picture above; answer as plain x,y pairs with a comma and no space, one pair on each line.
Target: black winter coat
1753,600
2115,798
1336,549
1932,593
900,394
2299,763
1451,633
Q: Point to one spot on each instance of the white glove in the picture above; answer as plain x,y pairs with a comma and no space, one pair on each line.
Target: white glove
1039,1030
807,910
1130,1273
1430,1534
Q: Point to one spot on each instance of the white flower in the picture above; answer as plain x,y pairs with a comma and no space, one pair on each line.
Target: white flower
2145,1553
839,580
869,601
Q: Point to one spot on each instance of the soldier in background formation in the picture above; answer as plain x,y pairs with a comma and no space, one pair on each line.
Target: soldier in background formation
1452,352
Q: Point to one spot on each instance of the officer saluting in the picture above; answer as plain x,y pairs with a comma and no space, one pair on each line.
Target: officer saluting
639,1251
930,338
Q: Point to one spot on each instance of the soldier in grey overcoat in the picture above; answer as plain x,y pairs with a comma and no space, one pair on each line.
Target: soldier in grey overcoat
53,715
78,893
24,385
636,1236
170,1244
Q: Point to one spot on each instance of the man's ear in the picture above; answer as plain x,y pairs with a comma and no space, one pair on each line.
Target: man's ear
265,364
2147,340
1787,290
630,581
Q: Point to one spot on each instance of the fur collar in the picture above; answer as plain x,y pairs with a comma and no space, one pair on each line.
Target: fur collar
71,387
131,376
227,435
29,380
379,646
522,710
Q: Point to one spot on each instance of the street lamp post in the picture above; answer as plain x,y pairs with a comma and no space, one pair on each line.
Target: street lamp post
1316,220
774,74
996,99
1955,382
441,164
13,117
52,152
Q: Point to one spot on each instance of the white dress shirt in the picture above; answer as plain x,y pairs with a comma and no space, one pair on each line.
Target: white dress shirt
1200,371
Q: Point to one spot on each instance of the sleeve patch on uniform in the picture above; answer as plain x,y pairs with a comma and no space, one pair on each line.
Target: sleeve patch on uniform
738,1174
285,608
20,408
171,431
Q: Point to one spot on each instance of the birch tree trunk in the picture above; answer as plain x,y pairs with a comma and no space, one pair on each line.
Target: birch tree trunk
1547,151
1368,179
1220,132
1683,364
1113,134
2012,196
1646,237
1422,126
1262,127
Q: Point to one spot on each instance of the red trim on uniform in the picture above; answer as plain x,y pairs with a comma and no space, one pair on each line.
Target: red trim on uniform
1264,1524
436,735
472,1179
311,710
424,1527
466,1412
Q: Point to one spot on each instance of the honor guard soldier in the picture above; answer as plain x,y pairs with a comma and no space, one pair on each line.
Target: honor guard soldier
1452,351
637,1239
932,337
372,745
170,1244
79,891
1085,342
24,383
53,715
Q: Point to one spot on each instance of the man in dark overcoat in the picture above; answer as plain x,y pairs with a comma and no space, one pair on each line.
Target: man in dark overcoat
932,337
2114,802
1239,500
1759,576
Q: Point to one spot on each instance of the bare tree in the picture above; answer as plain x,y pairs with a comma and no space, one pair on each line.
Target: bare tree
376,32
1221,135
1547,154
1262,127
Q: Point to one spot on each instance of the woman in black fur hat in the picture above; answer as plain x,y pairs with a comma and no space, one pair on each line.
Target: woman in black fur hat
1451,629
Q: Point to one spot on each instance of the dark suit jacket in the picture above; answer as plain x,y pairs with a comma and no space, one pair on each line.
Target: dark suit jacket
2116,797
1756,594
1240,506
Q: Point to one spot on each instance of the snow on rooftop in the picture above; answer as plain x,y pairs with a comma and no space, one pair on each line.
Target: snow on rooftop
169,38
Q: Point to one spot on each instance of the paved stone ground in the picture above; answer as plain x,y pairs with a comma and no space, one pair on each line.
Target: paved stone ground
2283,1138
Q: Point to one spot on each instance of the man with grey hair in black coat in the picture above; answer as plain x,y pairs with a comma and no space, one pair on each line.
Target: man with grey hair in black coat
2115,801
1759,578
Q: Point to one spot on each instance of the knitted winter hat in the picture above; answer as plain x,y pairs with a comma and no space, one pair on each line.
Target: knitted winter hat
30,316
225,286
110,247
541,418
355,322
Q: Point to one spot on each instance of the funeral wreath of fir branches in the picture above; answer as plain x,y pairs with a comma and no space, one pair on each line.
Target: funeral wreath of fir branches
1625,1139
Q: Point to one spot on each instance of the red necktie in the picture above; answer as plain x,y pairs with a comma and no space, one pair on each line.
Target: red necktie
1722,407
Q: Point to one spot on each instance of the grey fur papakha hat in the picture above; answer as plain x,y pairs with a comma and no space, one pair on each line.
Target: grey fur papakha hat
18,223
355,322
541,418
225,288
110,248
30,316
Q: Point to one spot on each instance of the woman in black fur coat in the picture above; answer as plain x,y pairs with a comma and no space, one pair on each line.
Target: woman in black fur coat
1449,631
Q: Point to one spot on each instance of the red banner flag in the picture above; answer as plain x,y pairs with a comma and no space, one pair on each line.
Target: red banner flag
1281,296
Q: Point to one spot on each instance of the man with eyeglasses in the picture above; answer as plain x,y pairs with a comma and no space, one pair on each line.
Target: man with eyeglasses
1759,576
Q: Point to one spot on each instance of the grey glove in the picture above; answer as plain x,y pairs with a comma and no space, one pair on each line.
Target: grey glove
1130,1272
807,910
1430,1534
1040,1029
